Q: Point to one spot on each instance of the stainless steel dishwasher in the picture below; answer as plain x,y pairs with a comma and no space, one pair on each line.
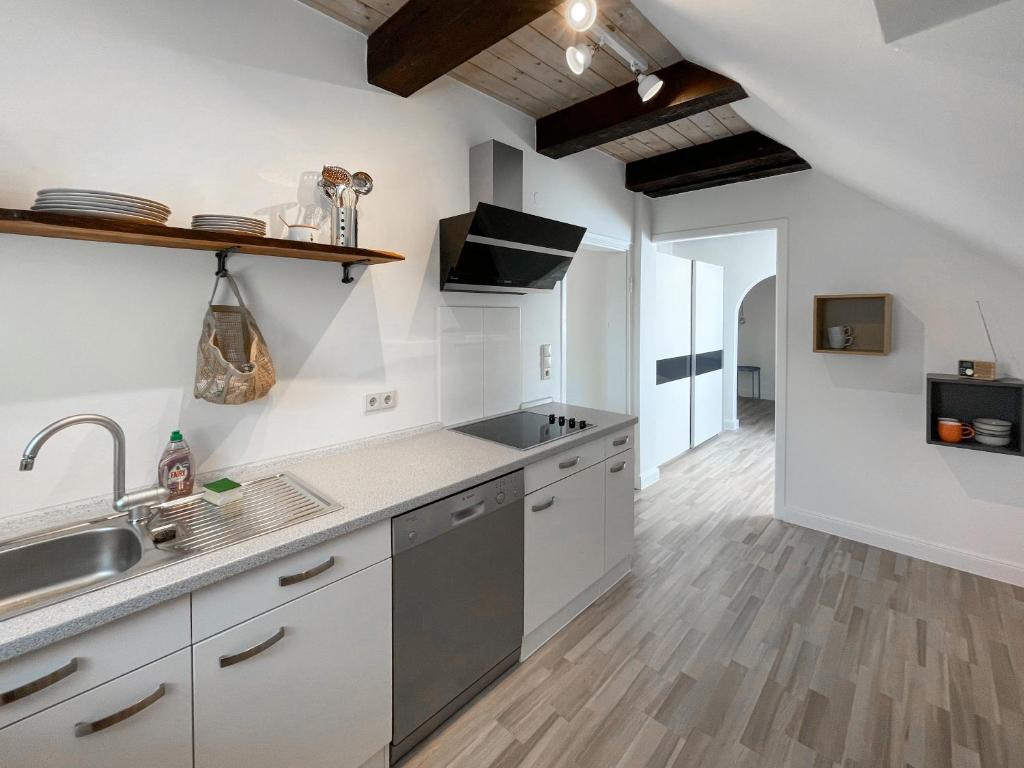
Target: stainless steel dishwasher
458,603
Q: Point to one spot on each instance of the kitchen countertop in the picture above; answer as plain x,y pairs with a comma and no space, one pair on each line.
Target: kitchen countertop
373,481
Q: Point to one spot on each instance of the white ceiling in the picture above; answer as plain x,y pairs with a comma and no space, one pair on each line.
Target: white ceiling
932,124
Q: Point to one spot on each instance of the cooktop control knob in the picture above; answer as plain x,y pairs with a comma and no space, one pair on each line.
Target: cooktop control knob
561,421
551,418
583,423
500,498
572,423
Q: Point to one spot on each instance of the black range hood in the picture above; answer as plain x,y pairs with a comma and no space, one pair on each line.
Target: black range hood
497,248
501,250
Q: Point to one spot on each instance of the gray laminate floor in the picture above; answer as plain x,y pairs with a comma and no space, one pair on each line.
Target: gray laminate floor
742,641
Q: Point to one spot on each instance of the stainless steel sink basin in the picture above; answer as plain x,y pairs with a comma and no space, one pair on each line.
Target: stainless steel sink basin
42,569
50,566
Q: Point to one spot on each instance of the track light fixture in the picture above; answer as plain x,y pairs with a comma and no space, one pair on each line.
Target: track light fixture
581,14
648,86
578,57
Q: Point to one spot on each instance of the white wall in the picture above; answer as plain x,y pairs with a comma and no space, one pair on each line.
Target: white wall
210,109
856,461
756,342
748,258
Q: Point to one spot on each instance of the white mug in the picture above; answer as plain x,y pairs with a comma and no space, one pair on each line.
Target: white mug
840,336
302,232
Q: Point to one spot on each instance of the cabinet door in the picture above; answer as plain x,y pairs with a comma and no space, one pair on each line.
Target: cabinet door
564,544
307,684
141,719
618,509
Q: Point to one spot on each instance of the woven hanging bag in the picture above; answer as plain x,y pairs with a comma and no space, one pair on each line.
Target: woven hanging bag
233,365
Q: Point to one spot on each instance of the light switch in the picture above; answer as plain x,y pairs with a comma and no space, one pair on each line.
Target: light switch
545,350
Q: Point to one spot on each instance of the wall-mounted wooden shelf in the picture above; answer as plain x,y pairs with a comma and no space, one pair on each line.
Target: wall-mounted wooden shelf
965,399
868,314
18,222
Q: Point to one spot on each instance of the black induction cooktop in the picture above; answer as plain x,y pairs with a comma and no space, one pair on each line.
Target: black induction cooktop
524,429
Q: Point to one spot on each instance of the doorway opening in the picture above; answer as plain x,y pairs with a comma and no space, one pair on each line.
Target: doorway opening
596,316
716,340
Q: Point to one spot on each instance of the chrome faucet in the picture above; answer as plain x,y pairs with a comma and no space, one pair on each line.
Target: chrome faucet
138,505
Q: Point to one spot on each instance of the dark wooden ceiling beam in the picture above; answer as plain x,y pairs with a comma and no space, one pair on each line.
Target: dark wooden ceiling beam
689,88
725,161
425,39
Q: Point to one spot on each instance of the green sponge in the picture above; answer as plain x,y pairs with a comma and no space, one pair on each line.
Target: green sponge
222,491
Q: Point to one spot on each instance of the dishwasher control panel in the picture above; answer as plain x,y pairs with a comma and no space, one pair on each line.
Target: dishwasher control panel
423,524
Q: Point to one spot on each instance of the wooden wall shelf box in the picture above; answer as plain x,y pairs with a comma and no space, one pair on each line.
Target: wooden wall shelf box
19,222
966,399
869,314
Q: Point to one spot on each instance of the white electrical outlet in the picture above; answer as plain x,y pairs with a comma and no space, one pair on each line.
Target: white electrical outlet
381,401
545,373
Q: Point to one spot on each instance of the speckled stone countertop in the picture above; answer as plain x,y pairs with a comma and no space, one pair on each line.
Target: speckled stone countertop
372,481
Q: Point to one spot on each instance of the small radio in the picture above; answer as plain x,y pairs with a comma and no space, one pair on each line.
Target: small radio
977,369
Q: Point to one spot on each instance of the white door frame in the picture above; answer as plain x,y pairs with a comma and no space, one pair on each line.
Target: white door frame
781,227
596,242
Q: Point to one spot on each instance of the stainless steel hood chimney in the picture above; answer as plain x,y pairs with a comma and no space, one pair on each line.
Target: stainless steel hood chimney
497,248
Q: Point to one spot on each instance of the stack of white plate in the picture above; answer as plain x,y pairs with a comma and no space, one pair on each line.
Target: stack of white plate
236,225
108,205
995,432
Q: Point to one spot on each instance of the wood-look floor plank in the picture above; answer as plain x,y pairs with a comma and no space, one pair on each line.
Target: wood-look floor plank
741,641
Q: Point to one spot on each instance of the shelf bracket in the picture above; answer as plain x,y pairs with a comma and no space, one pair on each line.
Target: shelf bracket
346,274
222,260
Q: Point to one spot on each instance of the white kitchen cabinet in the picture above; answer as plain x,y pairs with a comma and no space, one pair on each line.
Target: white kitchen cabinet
143,718
37,680
234,600
306,684
618,509
564,543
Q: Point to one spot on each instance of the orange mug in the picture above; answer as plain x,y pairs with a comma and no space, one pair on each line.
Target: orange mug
952,431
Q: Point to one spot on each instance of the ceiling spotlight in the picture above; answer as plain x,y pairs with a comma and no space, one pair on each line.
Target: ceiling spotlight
581,14
648,86
578,57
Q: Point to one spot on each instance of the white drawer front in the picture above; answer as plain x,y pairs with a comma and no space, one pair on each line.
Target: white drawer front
618,509
50,675
619,441
568,462
564,543
141,719
230,602
306,684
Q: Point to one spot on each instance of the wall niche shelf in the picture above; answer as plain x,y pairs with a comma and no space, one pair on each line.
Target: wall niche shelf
965,399
868,314
19,222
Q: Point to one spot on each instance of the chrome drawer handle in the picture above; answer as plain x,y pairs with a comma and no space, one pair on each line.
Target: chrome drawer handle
546,505
618,467
620,441
569,464
84,729
316,570
9,697
248,653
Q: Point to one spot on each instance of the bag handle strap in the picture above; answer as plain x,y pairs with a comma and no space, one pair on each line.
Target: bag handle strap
234,289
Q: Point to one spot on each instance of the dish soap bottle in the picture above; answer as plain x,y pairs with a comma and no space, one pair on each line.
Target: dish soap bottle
175,471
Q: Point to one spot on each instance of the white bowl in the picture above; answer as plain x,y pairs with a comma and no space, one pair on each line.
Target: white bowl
997,442
994,423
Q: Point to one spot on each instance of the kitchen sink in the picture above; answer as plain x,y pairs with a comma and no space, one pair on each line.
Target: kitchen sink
49,566
42,569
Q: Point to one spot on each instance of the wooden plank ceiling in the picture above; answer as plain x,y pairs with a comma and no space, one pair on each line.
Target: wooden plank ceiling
527,70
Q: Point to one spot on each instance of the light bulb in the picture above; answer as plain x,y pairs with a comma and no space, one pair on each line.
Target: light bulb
581,14
648,86
578,57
